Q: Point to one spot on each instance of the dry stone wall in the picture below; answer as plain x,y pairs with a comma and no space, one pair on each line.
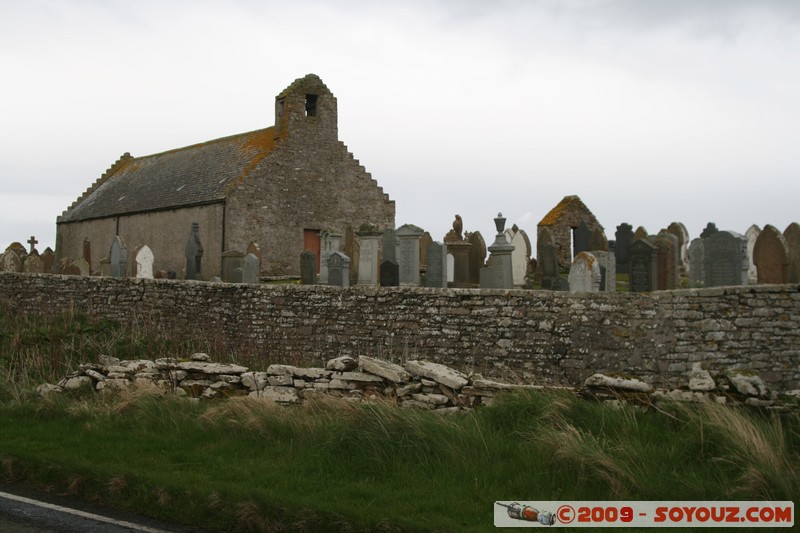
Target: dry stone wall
537,337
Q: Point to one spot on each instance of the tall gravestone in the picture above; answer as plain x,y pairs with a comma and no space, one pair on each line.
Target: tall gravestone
308,268
771,256
792,237
682,234
477,257
697,261
520,257
498,272
624,237
409,236
338,270
584,273
389,245
48,260
608,270
726,259
331,242
193,253
251,268
643,266
667,260
424,242
118,257
144,262
548,263
580,239
390,274
369,249
751,235
436,274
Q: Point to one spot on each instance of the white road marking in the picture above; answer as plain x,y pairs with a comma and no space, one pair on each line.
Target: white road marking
83,514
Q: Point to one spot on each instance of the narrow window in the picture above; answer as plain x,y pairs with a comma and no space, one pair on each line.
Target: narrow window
279,108
311,105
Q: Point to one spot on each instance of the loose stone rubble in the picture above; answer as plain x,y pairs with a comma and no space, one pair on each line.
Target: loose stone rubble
417,384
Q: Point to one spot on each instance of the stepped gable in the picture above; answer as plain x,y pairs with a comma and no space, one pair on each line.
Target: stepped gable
194,175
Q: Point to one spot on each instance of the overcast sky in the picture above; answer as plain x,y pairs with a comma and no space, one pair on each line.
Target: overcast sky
650,111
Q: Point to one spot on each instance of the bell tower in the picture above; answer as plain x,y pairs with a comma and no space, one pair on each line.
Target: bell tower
307,109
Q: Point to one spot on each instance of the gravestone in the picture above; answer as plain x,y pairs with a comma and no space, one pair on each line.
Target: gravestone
87,251
338,270
436,274
352,249
477,257
751,235
580,239
409,236
231,260
548,263
598,240
451,268
771,256
389,245
33,242
390,274
48,260
697,261
255,249
667,261
10,262
118,257
33,264
67,268
608,270
193,253
584,273
725,259
639,234
624,237
330,242
308,268
642,266
679,230
369,252
521,255
251,269
498,272
424,242
792,237
144,262
82,266
709,230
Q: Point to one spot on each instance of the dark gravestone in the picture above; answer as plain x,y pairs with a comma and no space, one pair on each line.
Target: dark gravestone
338,270
390,274
667,260
308,268
48,260
477,257
771,256
726,259
624,235
642,266
709,230
598,241
697,262
389,245
792,237
548,262
194,253
436,273
119,258
580,239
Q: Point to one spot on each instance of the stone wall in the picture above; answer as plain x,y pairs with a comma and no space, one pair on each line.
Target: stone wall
538,336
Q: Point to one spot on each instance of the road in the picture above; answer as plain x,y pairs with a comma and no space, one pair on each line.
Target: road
24,511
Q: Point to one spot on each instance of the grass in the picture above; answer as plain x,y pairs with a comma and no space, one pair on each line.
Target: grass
247,464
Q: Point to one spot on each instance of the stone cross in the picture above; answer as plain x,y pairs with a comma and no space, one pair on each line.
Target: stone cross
33,242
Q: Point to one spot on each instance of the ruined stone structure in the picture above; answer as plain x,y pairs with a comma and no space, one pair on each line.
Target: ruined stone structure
278,187
560,223
539,336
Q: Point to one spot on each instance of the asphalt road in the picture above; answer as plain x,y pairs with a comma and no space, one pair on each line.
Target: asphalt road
25,511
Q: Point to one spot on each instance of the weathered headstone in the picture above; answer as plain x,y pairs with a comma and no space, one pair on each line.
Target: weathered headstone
67,268
424,242
193,253
771,256
726,259
390,274
580,240
338,270
679,230
697,262
409,236
639,234
369,252
709,230
584,273
255,249
33,264
118,257
521,256
308,268
498,272
548,263
231,260
751,235
642,266
81,264
624,237
33,242
477,257
48,260
330,242
436,274
251,269
10,262
608,270
667,260
598,240
144,262
792,237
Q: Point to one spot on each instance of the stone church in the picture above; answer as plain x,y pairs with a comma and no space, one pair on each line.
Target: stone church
278,187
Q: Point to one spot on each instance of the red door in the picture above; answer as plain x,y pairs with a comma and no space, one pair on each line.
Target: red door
311,243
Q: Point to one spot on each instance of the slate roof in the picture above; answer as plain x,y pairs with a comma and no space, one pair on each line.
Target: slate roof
194,175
